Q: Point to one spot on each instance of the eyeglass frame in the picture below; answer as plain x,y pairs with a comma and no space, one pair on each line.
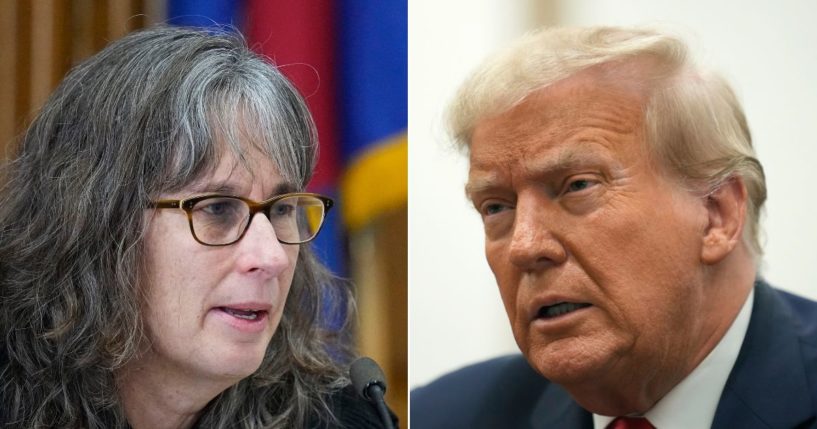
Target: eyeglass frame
186,205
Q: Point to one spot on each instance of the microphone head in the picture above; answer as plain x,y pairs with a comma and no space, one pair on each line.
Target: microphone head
364,373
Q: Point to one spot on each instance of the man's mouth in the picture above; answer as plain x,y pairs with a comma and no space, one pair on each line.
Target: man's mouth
559,309
243,314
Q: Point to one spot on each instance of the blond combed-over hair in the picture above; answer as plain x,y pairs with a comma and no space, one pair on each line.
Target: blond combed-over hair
694,124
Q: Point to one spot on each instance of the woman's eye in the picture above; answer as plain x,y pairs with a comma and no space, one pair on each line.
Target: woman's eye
221,209
282,210
216,209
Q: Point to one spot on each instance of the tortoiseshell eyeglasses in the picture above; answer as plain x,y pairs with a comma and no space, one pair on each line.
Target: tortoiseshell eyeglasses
221,220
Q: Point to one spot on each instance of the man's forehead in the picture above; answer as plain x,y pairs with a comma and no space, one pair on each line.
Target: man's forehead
566,103
554,114
483,175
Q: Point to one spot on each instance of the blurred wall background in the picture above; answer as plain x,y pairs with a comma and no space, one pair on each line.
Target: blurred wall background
766,50
348,58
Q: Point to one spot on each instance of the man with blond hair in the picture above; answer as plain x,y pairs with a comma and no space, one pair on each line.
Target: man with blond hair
620,197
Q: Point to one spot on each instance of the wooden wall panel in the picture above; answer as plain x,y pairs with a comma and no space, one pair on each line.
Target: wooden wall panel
84,30
155,11
8,69
380,273
42,47
41,40
22,95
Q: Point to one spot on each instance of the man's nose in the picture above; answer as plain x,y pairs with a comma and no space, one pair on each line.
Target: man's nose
535,242
260,250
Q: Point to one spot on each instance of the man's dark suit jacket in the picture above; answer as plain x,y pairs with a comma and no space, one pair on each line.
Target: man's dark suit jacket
772,385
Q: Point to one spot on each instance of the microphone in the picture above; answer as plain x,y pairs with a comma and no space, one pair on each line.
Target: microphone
369,382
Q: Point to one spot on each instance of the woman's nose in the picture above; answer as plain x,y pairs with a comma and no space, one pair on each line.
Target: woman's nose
260,250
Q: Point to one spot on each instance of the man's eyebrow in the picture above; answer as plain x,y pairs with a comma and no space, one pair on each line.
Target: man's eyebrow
567,159
576,155
479,185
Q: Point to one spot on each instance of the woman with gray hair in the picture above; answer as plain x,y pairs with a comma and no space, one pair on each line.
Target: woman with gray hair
137,285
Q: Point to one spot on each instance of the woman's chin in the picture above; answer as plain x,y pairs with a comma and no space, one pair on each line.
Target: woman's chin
234,363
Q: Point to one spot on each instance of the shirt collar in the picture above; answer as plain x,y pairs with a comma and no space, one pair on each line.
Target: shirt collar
692,402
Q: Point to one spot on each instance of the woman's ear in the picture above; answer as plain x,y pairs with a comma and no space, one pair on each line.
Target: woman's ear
726,207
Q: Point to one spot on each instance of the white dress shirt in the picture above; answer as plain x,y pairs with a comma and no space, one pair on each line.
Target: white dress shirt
692,403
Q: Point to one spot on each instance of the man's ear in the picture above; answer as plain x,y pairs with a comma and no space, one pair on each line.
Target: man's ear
726,207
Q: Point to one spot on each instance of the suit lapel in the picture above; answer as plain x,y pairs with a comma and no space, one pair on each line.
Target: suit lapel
767,387
556,409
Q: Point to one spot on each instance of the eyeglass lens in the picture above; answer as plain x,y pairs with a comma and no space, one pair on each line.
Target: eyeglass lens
222,220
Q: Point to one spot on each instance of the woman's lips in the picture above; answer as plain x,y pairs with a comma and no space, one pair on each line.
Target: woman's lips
245,314
243,319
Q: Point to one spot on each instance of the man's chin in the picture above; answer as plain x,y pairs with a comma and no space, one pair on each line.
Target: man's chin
593,373
571,361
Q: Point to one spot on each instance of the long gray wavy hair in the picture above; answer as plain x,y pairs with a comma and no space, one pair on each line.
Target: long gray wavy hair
149,114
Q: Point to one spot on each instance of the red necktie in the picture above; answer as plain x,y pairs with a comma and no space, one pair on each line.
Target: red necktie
630,423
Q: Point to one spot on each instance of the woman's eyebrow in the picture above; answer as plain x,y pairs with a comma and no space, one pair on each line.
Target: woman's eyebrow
283,188
214,188
228,188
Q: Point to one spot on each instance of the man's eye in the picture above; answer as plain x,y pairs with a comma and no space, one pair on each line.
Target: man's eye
579,185
493,208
